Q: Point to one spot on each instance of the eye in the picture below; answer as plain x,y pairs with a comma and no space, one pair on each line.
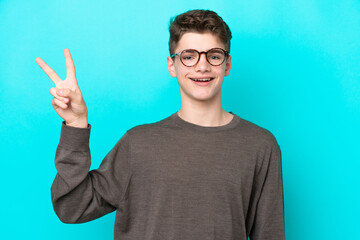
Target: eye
214,57
187,57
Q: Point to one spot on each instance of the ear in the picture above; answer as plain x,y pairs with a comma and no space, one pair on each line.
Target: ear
228,66
171,66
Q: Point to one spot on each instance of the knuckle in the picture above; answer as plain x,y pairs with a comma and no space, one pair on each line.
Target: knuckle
78,97
67,92
57,101
53,102
52,91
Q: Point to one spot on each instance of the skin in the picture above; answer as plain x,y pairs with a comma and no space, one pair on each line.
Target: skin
68,101
200,105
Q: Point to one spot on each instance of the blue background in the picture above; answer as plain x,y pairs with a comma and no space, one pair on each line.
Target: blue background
296,72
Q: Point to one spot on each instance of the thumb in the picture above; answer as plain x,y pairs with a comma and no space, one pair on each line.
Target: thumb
66,93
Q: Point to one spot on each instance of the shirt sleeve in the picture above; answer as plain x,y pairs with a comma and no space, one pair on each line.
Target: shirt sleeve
79,195
269,215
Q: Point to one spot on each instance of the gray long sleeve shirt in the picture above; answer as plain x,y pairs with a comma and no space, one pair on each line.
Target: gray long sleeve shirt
174,180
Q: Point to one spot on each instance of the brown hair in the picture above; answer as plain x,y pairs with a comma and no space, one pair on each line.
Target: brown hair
199,21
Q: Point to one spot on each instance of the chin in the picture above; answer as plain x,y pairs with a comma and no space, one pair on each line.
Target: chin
203,98
200,96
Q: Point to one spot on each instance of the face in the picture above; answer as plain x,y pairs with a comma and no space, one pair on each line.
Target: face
191,90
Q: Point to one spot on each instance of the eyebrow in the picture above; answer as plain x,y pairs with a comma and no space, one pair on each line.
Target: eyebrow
202,51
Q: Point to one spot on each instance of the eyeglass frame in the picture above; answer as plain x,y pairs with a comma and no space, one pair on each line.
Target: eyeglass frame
199,53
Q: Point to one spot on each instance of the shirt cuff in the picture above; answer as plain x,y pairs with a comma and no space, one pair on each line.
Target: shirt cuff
75,138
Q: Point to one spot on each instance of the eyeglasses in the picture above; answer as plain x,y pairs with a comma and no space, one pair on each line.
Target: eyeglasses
190,57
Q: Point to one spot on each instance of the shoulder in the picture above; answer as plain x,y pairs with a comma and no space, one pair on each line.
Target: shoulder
255,134
149,130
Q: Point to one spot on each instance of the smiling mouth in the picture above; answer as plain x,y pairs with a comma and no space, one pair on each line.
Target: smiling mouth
202,79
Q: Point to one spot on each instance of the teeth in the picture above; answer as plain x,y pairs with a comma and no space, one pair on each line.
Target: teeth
202,80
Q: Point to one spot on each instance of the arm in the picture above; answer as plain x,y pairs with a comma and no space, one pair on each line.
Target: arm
78,195
269,215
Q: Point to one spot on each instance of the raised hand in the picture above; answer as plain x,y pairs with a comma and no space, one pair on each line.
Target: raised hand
68,101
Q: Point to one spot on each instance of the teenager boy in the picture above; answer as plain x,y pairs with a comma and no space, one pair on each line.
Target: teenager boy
200,174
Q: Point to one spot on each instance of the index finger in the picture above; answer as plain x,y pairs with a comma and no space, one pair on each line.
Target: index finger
48,70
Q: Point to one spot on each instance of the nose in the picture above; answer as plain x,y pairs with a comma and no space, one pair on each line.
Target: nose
203,65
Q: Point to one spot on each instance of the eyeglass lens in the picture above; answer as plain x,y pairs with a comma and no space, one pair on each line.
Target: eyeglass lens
191,57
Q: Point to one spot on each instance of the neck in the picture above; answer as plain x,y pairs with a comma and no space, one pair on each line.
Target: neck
204,113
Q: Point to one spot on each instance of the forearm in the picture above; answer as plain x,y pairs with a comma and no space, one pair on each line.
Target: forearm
269,220
73,195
